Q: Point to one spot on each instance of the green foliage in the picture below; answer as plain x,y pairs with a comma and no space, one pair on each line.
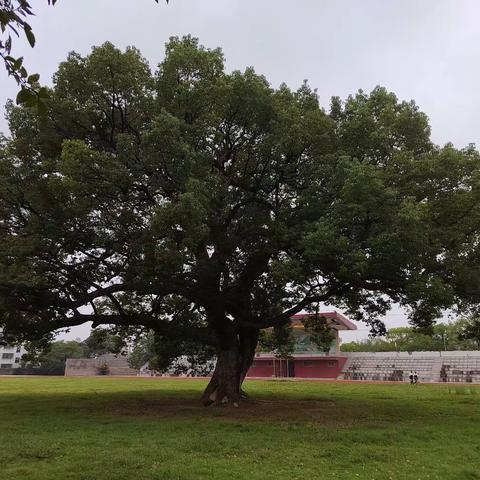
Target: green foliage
279,340
174,354
450,336
206,205
102,341
195,357
13,21
470,330
319,332
52,357
143,351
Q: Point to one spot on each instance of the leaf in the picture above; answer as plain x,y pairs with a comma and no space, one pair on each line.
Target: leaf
24,96
30,37
17,63
33,78
8,44
3,20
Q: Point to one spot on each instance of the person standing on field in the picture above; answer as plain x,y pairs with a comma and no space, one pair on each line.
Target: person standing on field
415,377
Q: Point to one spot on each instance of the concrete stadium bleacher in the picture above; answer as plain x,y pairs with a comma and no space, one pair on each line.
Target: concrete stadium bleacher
388,368
461,369
430,366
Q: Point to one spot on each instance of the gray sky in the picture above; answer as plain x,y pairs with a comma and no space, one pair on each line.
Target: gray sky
424,50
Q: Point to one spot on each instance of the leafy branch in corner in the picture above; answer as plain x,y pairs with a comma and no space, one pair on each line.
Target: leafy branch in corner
13,21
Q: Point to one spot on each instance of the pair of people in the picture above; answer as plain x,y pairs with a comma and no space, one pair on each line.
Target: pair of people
413,375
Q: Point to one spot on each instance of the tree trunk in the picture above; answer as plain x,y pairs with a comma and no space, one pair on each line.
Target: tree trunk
231,369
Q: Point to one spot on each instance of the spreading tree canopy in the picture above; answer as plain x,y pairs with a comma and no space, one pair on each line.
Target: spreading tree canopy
207,205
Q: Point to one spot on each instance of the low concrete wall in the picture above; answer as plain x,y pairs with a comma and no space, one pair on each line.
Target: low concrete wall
90,366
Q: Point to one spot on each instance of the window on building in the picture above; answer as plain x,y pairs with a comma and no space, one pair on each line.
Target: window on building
7,355
270,363
308,363
17,360
19,349
331,363
6,365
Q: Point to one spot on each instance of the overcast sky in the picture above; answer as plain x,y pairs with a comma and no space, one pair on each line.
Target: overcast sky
426,50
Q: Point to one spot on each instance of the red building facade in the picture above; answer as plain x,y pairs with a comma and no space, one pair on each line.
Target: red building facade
307,361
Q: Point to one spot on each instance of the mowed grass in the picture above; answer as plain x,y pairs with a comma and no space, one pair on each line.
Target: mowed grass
121,428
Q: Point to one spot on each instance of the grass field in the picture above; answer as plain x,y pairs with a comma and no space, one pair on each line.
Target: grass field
106,429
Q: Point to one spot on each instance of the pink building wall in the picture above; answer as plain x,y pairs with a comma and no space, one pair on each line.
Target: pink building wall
326,367
303,367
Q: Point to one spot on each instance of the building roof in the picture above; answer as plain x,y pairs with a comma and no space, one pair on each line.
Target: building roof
334,320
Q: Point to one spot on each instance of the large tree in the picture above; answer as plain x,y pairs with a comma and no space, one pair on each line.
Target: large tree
206,206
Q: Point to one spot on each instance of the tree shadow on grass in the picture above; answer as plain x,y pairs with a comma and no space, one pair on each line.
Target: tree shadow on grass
290,404
341,412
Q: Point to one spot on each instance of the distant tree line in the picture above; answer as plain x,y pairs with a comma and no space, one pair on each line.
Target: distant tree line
463,334
49,358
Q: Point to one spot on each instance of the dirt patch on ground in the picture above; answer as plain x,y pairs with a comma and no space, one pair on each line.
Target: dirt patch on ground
324,412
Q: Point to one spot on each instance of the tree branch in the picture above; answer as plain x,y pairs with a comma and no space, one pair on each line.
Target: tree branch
285,316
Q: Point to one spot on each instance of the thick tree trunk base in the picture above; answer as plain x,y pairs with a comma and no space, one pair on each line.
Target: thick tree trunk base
225,386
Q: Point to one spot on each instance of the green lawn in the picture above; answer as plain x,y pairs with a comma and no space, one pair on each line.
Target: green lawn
104,428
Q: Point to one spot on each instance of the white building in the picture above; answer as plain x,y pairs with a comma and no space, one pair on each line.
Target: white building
10,355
